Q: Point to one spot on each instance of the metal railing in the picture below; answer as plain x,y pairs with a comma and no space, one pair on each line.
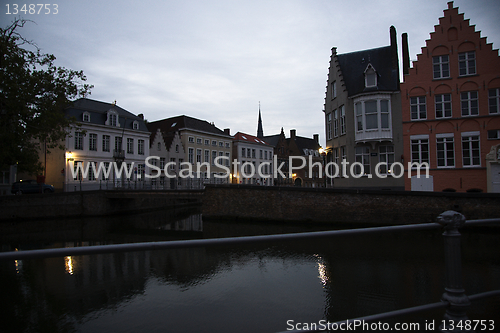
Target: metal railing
454,298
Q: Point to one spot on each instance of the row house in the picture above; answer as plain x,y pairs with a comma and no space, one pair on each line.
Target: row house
305,174
363,119
106,135
451,110
205,149
253,159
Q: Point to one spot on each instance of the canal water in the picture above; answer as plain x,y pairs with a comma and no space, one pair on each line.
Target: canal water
246,288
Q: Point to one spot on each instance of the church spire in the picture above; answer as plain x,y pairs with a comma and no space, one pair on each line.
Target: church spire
260,131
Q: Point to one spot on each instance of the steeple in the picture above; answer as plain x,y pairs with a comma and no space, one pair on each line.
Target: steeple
260,131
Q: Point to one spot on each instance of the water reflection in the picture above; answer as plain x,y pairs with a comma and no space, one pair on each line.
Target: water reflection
247,288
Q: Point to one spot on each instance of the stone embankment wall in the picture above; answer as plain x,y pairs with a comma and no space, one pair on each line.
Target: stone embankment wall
92,203
346,206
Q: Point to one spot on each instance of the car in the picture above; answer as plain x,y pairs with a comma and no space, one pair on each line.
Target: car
30,186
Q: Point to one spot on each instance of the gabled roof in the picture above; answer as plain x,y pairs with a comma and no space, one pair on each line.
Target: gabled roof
98,113
272,139
354,64
184,122
249,138
305,143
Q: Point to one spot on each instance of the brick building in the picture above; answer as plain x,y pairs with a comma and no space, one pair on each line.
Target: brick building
451,109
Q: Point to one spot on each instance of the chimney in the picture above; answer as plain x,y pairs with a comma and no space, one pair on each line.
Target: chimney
292,133
227,131
140,115
316,138
394,47
406,55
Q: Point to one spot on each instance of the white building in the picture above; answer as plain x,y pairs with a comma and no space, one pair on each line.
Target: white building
109,136
254,159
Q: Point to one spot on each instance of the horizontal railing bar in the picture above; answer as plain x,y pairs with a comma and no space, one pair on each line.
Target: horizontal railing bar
150,246
402,312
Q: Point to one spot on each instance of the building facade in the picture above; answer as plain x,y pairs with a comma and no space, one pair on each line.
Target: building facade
166,155
363,119
207,149
252,160
108,136
451,109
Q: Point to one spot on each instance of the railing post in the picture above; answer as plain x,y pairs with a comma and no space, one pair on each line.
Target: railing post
454,292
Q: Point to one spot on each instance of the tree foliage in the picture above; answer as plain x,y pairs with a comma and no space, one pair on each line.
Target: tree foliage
33,95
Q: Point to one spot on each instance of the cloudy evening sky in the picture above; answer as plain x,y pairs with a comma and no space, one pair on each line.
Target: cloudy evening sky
215,60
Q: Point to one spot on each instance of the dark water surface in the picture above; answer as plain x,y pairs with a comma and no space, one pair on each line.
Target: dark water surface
247,288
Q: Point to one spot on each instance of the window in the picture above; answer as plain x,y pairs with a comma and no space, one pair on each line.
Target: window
419,149
207,142
135,125
140,147
130,146
207,156
445,149
469,103
362,155
176,148
190,139
158,146
140,171
78,166
214,143
79,140
441,66
493,134
191,155
265,154
335,123
260,154
112,119
329,126
198,155
470,149
443,105
221,144
93,141
86,117
342,120
386,155
106,167
198,141
162,162
467,63
228,159
494,100
418,108
334,89
214,156
370,77
92,167
105,142
227,145
253,153
359,116
172,163
372,114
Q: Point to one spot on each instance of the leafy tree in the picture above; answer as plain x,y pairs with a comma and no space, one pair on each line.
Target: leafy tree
33,95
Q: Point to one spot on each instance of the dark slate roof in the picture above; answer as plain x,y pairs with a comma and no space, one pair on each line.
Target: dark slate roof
306,143
353,66
184,122
272,139
98,113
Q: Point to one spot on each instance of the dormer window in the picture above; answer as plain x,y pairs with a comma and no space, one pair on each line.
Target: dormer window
112,119
86,117
370,76
135,125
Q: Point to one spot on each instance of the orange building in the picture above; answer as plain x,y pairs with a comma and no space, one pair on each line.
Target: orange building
451,110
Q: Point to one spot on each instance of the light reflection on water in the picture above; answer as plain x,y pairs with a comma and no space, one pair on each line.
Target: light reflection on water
248,288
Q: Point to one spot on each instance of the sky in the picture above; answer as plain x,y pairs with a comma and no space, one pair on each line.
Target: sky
217,60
